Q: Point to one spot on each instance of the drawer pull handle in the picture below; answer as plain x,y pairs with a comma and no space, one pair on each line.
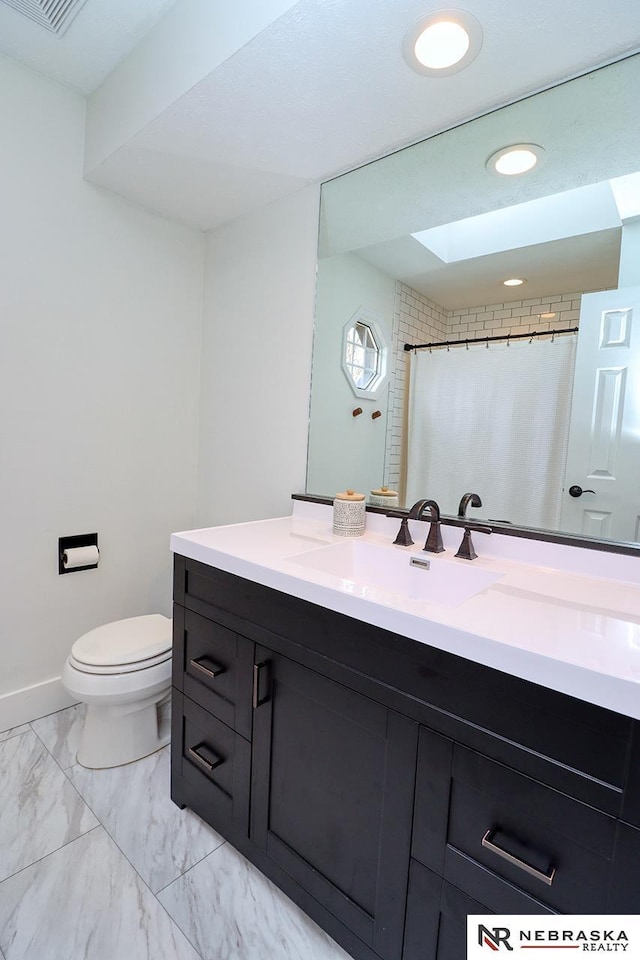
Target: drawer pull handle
487,841
208,765
257,700
211,671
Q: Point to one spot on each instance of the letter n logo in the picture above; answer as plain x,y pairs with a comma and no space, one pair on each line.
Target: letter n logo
494,937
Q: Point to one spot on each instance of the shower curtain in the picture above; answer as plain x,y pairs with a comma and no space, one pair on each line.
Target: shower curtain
493,421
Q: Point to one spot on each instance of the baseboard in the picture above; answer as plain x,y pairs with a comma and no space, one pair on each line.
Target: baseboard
29,703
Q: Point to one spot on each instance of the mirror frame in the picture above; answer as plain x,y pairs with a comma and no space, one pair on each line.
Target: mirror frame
561,538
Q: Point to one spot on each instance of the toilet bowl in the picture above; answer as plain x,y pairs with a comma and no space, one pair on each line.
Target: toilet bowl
122,672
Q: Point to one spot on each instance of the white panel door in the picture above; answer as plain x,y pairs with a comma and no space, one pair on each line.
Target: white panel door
604,437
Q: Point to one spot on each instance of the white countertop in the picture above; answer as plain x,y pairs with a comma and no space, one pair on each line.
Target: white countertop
563,617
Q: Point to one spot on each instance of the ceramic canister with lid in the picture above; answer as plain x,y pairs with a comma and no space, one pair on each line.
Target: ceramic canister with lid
384,498
349,514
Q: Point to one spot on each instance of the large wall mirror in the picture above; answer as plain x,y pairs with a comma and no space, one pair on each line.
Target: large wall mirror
527,394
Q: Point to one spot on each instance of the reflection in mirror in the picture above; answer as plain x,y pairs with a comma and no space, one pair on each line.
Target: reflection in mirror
493,400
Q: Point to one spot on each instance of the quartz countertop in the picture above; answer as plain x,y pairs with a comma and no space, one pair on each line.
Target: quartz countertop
566,618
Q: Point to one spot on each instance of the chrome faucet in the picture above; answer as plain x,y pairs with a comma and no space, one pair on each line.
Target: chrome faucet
468,498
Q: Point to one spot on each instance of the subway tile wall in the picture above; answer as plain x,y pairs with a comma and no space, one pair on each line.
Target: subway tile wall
420,320
516,316
416,319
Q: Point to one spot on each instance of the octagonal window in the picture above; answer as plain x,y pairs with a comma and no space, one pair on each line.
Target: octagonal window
364,354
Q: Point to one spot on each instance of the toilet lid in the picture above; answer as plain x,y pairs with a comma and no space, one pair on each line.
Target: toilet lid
124,642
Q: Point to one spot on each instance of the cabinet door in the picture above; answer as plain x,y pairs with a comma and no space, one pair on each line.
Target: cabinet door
436,917
332,790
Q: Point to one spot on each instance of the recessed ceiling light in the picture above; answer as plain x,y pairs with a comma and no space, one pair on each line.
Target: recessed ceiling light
546,316
516,159
443,42
514,282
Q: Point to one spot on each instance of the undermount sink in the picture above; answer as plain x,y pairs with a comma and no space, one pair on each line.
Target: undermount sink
371,569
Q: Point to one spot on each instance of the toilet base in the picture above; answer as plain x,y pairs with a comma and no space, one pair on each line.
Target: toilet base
120,733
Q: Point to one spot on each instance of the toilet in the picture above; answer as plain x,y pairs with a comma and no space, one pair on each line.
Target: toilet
122,671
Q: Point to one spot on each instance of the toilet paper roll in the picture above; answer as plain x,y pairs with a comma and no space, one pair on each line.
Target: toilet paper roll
76,557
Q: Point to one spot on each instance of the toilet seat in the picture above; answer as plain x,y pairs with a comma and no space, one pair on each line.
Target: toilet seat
123,646
116,668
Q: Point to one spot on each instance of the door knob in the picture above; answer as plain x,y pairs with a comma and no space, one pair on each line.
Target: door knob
576,491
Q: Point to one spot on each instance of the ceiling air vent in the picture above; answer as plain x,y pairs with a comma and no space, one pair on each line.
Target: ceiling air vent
53,15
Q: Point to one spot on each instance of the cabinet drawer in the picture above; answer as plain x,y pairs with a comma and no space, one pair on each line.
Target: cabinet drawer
213,666
542,842
210,767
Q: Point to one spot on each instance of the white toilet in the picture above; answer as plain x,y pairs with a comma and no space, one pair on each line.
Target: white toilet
122,671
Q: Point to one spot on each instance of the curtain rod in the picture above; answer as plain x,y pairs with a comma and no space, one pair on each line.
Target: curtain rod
488,340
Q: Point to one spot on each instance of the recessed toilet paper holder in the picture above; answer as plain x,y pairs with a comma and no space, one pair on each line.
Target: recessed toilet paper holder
72,543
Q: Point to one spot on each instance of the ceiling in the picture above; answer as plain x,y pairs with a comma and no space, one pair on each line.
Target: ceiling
295,93
579,263
560,243
102,34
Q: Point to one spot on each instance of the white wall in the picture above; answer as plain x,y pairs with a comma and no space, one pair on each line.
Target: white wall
100,319
629,271
346,451
256,361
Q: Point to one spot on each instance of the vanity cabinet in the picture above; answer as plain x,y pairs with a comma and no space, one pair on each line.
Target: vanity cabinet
390,788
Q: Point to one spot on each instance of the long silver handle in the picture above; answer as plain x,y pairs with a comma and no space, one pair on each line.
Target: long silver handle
521,864
211,672
207,764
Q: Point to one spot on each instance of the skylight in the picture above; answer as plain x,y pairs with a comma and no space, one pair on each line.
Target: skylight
575,212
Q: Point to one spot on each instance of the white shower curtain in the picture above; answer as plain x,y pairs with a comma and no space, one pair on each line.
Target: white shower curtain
493,421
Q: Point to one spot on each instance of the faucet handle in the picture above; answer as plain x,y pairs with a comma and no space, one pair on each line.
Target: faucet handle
404,537
466,549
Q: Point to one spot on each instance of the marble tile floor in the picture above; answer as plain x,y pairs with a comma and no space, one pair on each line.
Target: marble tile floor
101,864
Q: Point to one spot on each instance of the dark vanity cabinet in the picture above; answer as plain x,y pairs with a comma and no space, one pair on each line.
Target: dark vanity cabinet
389,788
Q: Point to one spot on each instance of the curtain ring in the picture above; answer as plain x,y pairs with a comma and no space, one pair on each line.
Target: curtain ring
487,343
553,336
447,348
430,349
508,339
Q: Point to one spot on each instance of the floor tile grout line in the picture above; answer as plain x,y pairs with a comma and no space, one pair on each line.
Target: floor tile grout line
111,837
192,867
100,826
31,723
172,919
117,845
18,733
37,735
50,854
